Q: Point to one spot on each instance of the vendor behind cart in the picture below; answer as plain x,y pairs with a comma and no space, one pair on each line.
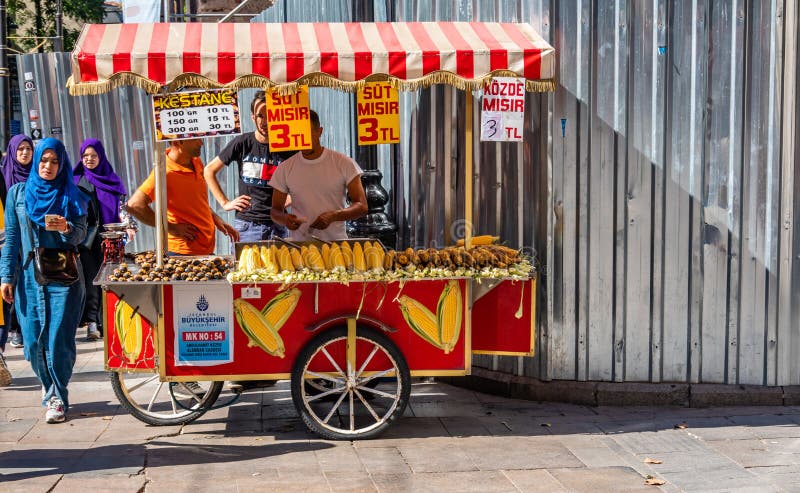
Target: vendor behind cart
256,166
191,221
320,181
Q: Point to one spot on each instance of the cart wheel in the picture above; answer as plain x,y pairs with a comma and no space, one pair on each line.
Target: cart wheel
345,403
150,400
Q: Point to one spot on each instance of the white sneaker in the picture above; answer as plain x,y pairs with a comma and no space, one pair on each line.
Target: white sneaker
5,374
188,389
55,411
92,334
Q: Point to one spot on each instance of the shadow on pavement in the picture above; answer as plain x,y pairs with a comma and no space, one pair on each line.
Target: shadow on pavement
134,457
30,383
13,355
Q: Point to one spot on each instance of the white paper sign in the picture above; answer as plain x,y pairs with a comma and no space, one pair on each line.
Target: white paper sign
140,11
503,110
203,320
196,114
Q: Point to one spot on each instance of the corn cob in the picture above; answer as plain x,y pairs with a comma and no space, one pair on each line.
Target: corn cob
243,255
297,259
326,255
273,254
359,262
336,258
480,240
347,253
420,319
401,259
129,330
285,259
448,315
265,257
366,245
413,256
424,256
313,259
379,249
373,259
278,310
254,259
388,260
258,330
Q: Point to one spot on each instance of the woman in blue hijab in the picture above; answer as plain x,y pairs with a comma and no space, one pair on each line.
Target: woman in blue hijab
45,211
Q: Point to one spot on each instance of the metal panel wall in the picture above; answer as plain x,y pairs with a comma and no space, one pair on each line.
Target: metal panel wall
656,186
673,257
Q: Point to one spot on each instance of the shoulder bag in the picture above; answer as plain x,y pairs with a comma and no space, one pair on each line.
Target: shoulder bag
53,265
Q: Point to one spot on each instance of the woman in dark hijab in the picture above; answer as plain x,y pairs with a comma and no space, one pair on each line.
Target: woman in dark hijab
46,211
16,166
95,177
17,162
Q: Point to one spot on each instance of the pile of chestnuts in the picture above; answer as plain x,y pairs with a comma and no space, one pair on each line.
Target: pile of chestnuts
173,269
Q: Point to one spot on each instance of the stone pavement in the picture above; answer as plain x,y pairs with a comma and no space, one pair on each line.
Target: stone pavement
450,439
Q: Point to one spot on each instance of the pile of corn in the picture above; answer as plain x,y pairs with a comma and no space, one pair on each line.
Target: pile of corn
357,261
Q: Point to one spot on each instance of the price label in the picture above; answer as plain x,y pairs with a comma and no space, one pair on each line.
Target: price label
189,115
289,127
378,113
503,110
251,293
203,120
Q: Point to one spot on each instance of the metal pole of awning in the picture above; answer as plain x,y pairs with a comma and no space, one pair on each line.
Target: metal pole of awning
232,12
160,171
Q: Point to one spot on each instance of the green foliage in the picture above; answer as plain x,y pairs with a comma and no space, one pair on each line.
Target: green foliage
37,18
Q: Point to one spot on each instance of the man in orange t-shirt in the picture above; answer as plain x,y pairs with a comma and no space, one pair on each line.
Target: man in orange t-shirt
191,221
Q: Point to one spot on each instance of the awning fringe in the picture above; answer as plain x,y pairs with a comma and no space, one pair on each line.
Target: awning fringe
318,79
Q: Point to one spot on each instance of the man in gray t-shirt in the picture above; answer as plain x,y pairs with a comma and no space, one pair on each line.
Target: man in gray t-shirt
319,180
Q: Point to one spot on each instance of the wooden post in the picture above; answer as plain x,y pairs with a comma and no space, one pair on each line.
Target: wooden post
160,168
468,178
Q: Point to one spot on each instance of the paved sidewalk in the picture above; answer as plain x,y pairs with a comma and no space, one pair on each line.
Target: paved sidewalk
450,439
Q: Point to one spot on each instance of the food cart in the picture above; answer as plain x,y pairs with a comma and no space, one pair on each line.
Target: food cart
350,334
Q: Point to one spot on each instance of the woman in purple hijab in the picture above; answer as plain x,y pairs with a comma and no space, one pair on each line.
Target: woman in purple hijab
17,161
16,167
96,178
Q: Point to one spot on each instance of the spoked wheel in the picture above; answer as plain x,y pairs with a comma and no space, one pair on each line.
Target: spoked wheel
351,395
151,401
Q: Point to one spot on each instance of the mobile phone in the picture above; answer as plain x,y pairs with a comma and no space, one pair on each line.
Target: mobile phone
49,218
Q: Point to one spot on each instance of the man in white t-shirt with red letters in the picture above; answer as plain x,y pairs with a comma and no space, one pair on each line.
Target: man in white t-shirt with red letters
320,181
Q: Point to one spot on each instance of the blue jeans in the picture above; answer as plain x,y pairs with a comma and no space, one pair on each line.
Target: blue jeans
51,322
256,232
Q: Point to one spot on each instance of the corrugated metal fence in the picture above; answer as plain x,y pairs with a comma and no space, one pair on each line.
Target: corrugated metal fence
656,186
673,252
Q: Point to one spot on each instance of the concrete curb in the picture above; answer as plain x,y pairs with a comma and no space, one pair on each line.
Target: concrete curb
626,393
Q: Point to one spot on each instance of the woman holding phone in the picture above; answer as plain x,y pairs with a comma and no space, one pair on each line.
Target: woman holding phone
46,211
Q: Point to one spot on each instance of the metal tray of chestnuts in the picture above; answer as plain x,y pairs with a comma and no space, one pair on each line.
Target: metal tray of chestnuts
177,269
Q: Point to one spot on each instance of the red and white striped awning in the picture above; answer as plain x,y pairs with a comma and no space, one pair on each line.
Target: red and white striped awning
339,55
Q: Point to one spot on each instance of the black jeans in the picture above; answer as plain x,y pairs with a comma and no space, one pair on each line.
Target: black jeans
92,260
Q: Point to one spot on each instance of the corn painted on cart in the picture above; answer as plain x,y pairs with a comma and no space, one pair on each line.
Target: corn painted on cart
349,348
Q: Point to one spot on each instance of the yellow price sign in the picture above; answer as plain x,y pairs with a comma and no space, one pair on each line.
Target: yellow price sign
289,127
378,114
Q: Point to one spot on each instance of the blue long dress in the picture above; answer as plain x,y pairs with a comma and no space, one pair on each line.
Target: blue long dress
49,315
